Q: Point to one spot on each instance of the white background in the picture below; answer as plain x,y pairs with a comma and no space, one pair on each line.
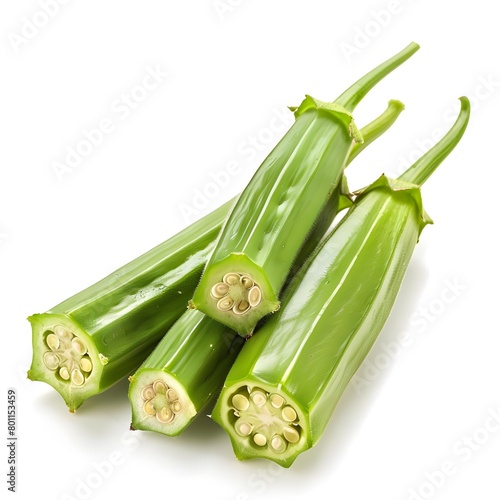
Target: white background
431,381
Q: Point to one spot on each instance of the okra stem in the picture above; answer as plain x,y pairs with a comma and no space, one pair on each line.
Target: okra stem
422,169
353,95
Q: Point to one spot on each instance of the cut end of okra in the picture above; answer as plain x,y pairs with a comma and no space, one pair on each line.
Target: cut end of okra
159,403
262,423
235,292
65,358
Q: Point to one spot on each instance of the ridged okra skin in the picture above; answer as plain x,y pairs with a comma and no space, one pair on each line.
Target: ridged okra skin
190,363
278,209
167,392
287,380
85,344
98,336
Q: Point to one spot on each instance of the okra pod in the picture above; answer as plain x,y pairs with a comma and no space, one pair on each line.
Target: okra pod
287,380
189,365
275,213
92,340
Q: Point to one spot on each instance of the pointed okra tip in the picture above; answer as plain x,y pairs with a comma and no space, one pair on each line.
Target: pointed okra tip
64,357
159,403
262,422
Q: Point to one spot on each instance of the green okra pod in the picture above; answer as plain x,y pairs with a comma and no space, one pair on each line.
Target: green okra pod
275,213
287,380
100,335
189,365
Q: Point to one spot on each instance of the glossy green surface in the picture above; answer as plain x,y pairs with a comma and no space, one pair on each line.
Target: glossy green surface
124,315
279,207
335,308
196,354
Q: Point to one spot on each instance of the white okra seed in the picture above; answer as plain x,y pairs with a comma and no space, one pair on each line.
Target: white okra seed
159,387
172,395
291,434
225,304
276,400
260,439
258,397
254,296
241,307
78,346
64,373
278,444
51,360
62,332
77,377
165,415
288,414
219,290
231,278
86,365
243,428
247,282
148,393
52,341
149,408
240,402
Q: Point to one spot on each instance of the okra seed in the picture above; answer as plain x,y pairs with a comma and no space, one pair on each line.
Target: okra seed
77,377
247,282
291,434
176,407
231,278
165,415
278,444
225,304
86,365
220,290
159,387
260,439
276,423
52,341
51,360
241,307
149,408
243,428
78,346
148,393
172,395
288,414
70,358
258,397
240,402
276,400
254,296
63,333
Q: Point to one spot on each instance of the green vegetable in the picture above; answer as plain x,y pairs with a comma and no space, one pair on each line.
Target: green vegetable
275,213
190,363
287,380
100,335
103,333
